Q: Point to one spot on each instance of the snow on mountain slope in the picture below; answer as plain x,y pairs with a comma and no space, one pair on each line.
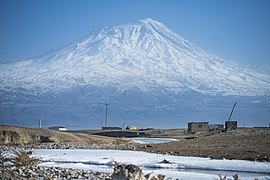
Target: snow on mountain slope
143,55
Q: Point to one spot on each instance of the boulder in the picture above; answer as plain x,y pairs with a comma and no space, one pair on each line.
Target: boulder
127,172
132,172
154,176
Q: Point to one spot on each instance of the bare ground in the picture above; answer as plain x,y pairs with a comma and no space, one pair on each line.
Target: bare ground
246,143
243,143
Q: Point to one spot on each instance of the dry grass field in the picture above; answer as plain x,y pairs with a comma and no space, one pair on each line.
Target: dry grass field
13,135
245,143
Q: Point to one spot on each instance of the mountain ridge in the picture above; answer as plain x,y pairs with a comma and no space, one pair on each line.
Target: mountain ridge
140,52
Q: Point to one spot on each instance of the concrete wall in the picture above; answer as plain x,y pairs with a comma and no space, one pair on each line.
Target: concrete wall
198,127
216,127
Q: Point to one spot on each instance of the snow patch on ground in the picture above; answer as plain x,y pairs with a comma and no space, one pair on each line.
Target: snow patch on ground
176,167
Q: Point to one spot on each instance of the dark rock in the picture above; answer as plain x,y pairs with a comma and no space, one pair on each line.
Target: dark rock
165,161
132,172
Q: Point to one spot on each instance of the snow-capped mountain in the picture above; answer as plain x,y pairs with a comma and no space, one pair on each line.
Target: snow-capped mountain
144,55
141,59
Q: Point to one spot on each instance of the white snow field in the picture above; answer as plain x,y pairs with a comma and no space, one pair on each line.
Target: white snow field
179,167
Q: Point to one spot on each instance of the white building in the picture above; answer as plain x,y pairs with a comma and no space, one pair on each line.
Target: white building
58,128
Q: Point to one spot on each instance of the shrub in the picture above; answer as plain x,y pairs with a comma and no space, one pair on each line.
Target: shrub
23,158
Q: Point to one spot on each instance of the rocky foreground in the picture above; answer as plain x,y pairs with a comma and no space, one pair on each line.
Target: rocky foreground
121,172
43,172
18,163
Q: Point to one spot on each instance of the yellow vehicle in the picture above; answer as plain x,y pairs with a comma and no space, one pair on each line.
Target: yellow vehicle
131,128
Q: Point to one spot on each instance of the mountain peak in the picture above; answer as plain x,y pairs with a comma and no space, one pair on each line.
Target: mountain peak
154,25
150,21
144,55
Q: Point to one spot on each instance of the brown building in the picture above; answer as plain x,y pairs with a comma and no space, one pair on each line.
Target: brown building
197,126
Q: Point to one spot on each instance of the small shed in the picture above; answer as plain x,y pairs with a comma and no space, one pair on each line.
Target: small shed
58,128
230,125
197,126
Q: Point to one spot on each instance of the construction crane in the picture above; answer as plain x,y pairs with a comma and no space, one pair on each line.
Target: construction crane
231,125
231,112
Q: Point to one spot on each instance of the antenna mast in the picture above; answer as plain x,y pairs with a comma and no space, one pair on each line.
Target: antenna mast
106,114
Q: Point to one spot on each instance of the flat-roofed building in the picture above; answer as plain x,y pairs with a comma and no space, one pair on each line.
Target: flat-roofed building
197,126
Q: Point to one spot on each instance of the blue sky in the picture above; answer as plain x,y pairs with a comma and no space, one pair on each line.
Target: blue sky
238,30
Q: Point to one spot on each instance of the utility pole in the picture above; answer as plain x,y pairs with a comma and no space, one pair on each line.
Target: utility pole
106,114
101,123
